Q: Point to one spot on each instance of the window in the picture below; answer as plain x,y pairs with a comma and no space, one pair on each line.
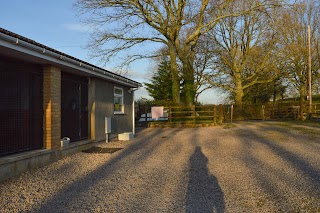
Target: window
118,100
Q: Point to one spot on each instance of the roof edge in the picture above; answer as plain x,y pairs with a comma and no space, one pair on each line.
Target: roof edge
16,39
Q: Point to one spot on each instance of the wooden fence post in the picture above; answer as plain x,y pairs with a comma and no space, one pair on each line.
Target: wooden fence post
220,114
169,114
231,114
146,111
194,113
215,115
263,112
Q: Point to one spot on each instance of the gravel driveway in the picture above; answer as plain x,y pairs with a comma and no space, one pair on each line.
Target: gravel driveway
252,167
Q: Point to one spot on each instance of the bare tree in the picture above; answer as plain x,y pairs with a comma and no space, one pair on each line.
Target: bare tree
244,47
121,25
126,26
293,51
202,65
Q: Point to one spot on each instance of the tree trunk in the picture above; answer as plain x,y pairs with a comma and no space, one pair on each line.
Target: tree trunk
238,90
274,96
174,76
189,86
303,94
186,55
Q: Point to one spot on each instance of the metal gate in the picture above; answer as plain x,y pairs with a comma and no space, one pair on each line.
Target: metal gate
74,107
21,107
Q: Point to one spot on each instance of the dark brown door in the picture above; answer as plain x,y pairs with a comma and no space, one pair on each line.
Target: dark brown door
84,116
74,107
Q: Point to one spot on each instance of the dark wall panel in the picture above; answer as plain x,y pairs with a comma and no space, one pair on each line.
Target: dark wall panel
21,106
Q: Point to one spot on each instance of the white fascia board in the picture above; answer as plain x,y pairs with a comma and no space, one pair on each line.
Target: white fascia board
47,55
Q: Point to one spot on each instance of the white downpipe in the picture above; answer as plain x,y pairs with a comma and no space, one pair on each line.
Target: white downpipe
133,115
107,123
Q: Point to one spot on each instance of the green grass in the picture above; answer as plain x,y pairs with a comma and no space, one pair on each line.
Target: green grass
301,126
315,98
229,126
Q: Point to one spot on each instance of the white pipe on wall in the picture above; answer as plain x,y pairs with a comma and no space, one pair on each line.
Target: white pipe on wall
132,90
133,115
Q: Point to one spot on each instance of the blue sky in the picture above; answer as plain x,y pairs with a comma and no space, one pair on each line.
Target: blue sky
56,24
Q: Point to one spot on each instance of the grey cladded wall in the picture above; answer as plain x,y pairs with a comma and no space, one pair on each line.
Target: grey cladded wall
101,96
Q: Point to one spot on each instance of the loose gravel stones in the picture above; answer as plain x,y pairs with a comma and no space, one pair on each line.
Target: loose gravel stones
251,167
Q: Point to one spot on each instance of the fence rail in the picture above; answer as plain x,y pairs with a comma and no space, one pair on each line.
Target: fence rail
218,114
272,111
186,115
195,114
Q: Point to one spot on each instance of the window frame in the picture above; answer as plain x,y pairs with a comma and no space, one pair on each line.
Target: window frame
115,95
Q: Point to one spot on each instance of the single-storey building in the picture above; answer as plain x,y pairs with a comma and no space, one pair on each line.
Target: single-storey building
47,95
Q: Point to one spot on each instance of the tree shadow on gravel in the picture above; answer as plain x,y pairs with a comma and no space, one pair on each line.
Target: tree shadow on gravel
66,197
204,193
295,160
266,173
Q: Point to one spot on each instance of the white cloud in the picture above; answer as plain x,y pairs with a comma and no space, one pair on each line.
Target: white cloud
213,96
141,93
78,27
141,76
